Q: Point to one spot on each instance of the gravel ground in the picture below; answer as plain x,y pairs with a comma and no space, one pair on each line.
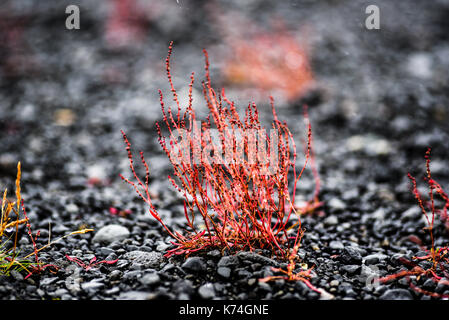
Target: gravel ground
381,98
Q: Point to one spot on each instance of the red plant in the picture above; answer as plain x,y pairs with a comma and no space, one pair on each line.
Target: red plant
92,263
438,256
289,274
38,266
243,200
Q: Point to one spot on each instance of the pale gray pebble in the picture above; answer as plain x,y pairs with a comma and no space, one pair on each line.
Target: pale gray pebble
111,233
396,294
207,291
336,245
150,279
148,259
224,272
92,286
336,204
331,221
374,258
135,295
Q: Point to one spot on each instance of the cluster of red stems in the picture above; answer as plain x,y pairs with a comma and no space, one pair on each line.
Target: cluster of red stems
438,256
241,207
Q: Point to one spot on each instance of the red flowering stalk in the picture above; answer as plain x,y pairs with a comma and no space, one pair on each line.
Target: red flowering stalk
289,274
233,175
92,263
438,256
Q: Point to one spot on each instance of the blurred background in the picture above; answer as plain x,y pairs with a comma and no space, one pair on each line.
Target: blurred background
377,98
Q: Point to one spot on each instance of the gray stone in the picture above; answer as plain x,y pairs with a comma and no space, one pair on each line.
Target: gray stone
194,265
105,251
350,269
224,272
115,275
336,204
265,286
206,291
110,233
330,221
412,213
16,275
254,257
148,259
92,286
336,245
134,295
334,283
48,281
374,258
396,294
351,256
131,275
228,261
150,279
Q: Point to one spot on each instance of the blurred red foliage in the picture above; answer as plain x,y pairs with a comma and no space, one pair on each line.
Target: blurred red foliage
270,62
126,24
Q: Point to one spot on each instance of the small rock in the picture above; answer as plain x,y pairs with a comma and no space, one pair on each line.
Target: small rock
336,245
265,286
92,286
105,251
131,275
16,275
351,256
429,285
48,281
214,253
374,258
150,279
134,295
148,259
330,221
254,257
224,272
162,246
115,275
111,233
194,265
336,204
334,283
228,261
420,65
252,282
350,269
72,208
412,213
206,291
396,294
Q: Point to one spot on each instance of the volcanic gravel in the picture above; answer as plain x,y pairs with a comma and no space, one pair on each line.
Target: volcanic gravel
381,99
